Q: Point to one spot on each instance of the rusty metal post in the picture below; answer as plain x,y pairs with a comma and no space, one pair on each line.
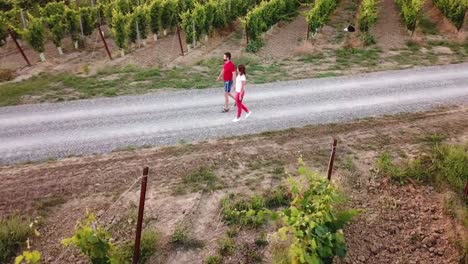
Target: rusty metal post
105,43
332,159
141,208
180,40
308,31
12,34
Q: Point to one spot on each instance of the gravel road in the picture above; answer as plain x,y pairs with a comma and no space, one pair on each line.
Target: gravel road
43,131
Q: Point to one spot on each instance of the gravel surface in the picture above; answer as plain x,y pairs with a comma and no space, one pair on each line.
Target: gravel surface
39,132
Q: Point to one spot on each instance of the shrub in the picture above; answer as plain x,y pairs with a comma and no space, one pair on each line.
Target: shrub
454,10
318,15
54,15
14,231
410,12
119,29
313,221
73,23
155,11
3,29
367,15
92,240
88,19
168,14
265,15
35,35
138,17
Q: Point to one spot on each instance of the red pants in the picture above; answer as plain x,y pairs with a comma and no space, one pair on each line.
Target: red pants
240,105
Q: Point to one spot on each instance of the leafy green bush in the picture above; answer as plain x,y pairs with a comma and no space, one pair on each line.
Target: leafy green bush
410,12
168,14
92,240
265,15
29,257
3,29
119,29
138,17
14,231
313,221
88,19
454,10
35,35
54,15
367,15
319,14
155,11
73,23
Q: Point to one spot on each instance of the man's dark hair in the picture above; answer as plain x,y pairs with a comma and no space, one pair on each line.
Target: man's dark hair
228,55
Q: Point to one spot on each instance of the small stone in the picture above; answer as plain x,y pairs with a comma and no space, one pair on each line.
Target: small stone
362,258
431,249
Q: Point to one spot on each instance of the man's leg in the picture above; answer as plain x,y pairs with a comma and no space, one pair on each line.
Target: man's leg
226,100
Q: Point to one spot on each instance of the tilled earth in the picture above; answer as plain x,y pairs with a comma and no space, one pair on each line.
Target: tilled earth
398,224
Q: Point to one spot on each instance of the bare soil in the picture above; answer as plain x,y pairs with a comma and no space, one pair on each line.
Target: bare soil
399,224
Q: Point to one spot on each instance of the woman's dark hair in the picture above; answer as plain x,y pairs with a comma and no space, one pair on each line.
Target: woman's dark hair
228,55
241,68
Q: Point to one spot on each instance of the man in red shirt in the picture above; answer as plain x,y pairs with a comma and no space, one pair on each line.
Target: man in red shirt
229,74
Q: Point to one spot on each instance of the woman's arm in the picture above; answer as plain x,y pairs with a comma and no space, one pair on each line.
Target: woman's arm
243,86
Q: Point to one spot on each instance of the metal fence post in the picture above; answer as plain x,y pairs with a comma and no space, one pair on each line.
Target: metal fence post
141,208
332,159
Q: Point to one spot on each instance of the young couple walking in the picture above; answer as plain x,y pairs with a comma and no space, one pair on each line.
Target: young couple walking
229,74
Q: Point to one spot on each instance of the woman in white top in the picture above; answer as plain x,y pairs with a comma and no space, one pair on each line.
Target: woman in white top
240,90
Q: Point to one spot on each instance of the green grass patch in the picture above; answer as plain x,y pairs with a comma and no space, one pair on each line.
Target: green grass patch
427,26
214,260
226,246
183,238
444,165
14,231
202,179
253,211
347,57
149,246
